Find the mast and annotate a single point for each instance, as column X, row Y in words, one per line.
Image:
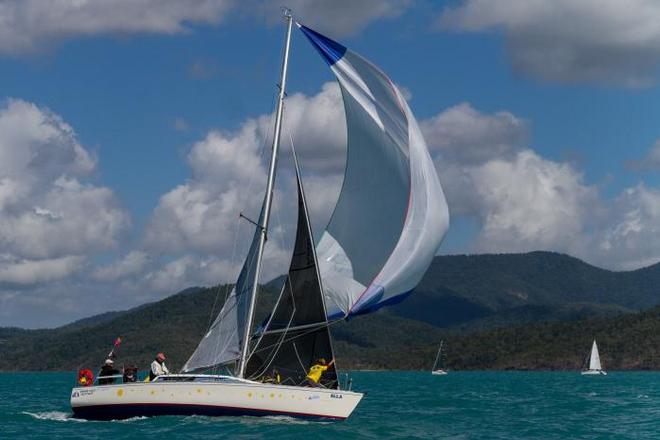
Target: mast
column 268, row 200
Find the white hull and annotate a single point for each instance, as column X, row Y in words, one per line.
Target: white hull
column 594, row 373
column 439, row 372
column 213, row 398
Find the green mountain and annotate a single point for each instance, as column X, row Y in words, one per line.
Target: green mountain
column 537, row 310
column 490, row 290
column 625, row 342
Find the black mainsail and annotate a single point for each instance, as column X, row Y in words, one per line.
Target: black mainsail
column 296, row 334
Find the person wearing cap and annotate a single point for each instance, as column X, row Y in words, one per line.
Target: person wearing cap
column 108, row 369
column 315, row 372
column 158, row 367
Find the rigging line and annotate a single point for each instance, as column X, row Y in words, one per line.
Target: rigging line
column 277, row 209
column 312, row 330
column 296, row 327
column 328, row 324
column 295, row 349
column 282, row 338
column 270, row 318
column 271, row 356
column 280, row 229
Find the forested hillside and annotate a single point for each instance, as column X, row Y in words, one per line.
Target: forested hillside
column 526, row 311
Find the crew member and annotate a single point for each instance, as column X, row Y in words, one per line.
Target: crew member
column 315, row 372
column 158, row 367
column 108, row 369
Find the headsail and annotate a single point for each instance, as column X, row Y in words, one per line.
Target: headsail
column 439, row 361
column 391, row 214
column 222, row 343
column 297, row 332
column 594, row 361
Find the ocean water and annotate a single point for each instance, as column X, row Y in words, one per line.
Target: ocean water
column 461, row 405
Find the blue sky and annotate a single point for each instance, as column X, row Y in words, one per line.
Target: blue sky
column 542, row 121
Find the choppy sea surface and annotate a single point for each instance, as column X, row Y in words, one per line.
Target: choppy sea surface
column 461, row 405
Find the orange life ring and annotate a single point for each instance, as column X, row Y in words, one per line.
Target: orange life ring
column 85, row 377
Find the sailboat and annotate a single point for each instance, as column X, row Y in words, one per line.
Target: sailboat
column 389, row 220
column 438, row 365
column 592, row 364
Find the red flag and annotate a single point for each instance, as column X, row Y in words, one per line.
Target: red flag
column 116, row 345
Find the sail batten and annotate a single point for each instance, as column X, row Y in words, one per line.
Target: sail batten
column 391, row 214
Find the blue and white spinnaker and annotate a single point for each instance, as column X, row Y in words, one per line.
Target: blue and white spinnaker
column 391, row 214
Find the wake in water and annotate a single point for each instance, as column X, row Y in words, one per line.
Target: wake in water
column 57, row 416
column 252, row 420
column 132, row 419
column 292, row 420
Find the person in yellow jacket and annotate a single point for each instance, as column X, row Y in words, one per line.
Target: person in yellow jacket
column 316, row 371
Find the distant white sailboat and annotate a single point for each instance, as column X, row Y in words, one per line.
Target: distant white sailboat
column 594, row 366
column 438, row 365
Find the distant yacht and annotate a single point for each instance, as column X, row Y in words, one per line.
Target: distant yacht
column 593, row 366
column 439, row 363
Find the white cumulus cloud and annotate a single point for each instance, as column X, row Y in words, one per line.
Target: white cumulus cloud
column 47, row 211
column 133, row 263
column 229, row 174
column 523, row 202
column 604, row 41
column 29, row 25
column 463, row 134
column 530, row 203
column 26, row 25
column 651, row 162
column 14, row 271
column 632, row 238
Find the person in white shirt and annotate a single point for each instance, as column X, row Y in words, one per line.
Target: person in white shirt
column 158, row 367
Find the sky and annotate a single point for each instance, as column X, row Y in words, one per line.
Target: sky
column 133, row 133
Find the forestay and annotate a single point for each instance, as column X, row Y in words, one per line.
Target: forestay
column 297, row 333
column 391, row 214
